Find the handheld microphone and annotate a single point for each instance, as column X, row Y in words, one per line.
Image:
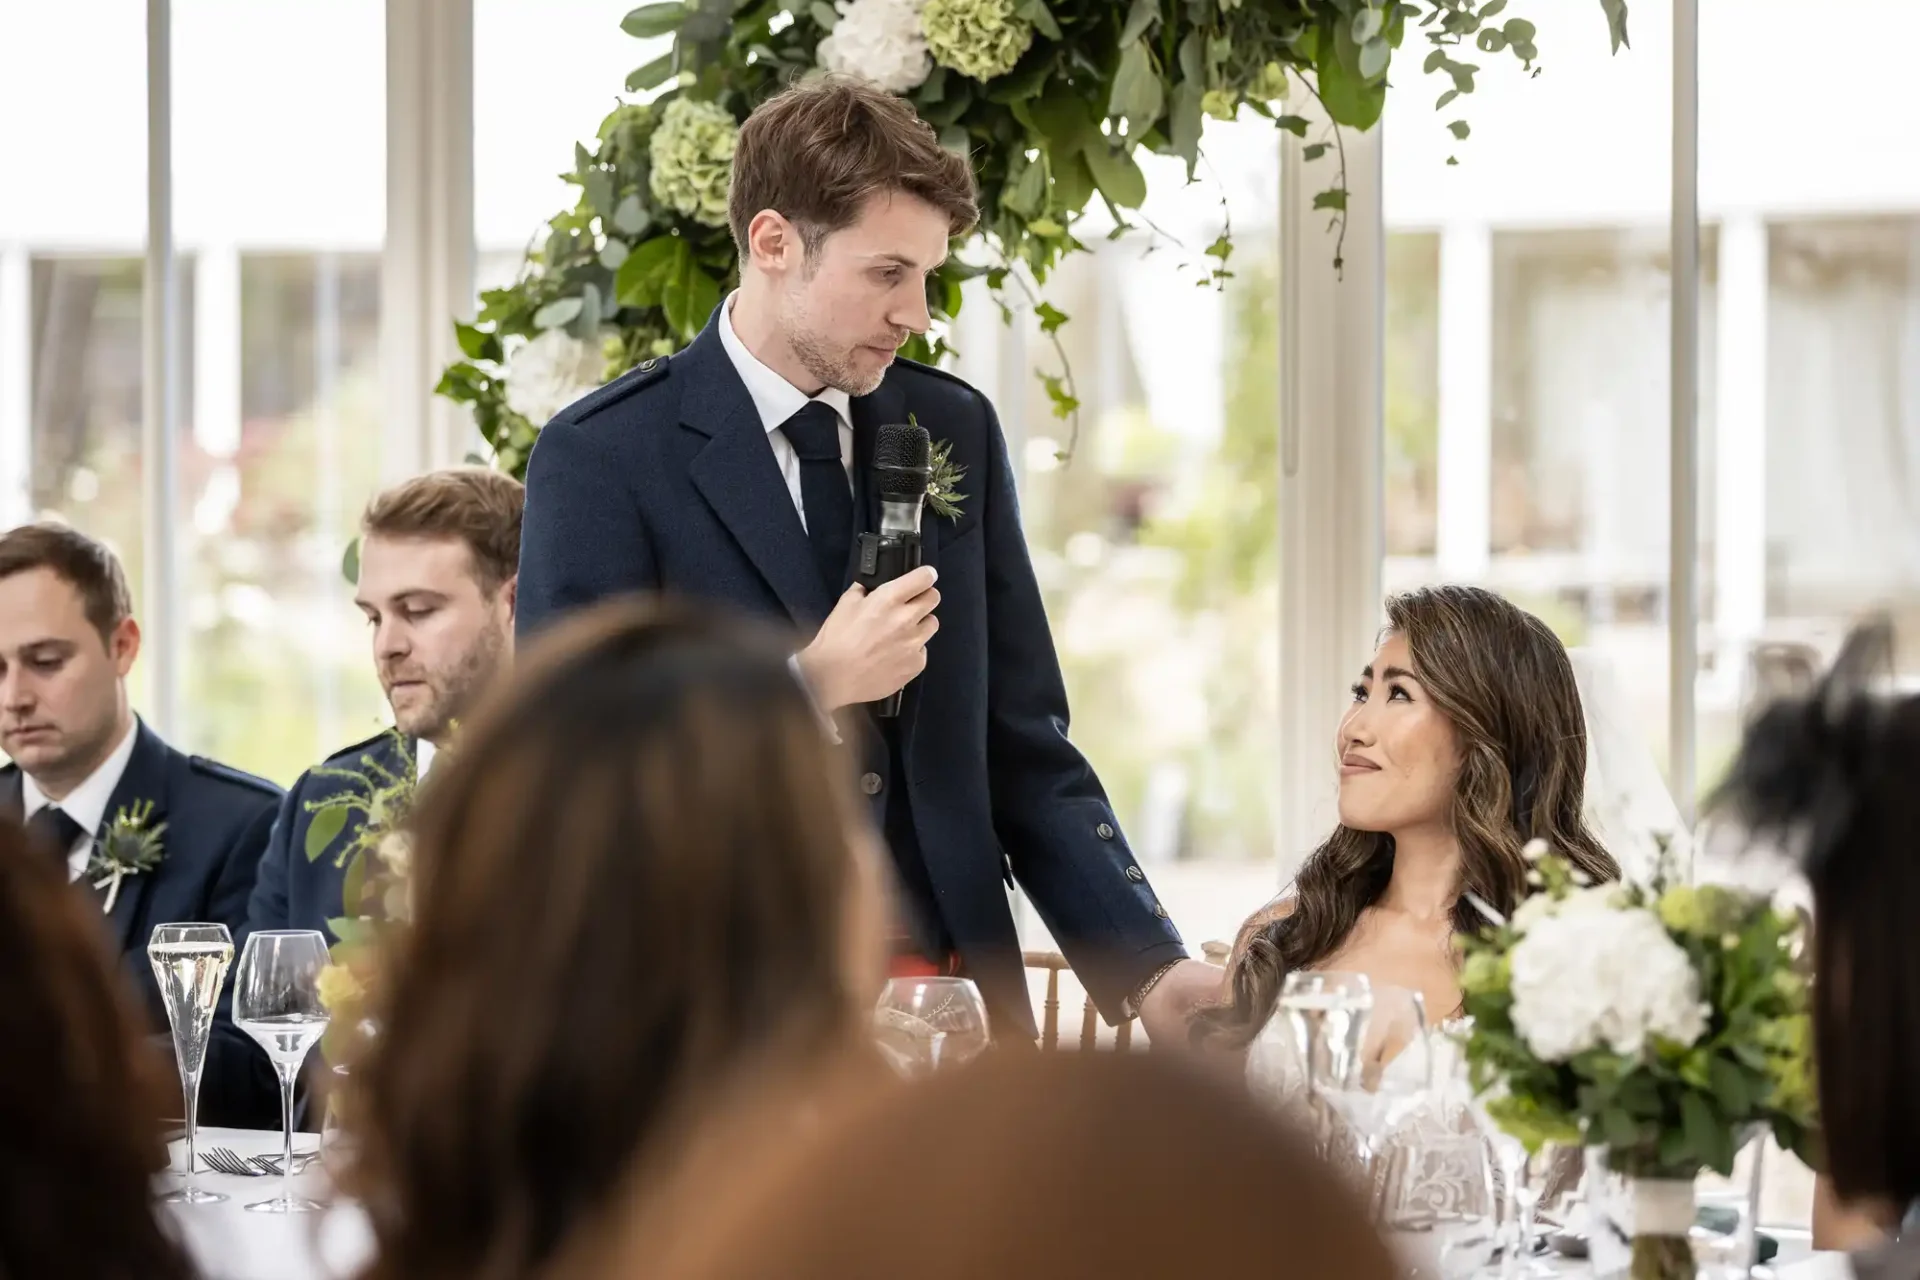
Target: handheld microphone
column 902, row 468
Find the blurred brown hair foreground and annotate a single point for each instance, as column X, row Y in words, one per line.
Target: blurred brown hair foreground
column 1032, row 1167
column 633, row 876
column 81, row 1096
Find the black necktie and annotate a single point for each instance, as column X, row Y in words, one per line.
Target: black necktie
column 55, row 828
column 814, row 433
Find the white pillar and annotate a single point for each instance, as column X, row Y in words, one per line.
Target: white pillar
column 426, row 278
column 1465, row 542
column 1331, row 362
column 16, row 386
column 161, row 370
column 1740, row 448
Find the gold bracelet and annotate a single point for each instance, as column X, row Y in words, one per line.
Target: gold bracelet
column 1140, row 996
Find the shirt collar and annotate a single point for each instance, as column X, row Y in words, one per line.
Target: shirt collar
column 774, row 397
column 87, row 803
column 422, row 759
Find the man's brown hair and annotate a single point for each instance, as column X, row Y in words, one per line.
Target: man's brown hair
column 479, row 506
column 77, row 560
column 814, row 153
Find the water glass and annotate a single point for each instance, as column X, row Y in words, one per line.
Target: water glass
column 923, row 1025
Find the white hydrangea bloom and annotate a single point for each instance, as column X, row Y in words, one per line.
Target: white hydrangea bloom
column 549, row 373
column 881, row 41
column 1589, row 973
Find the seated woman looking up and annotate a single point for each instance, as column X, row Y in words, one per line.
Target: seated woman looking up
column 1464, row 741
column 644, row 900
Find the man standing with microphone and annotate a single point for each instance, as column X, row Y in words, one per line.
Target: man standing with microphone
column 746, row 469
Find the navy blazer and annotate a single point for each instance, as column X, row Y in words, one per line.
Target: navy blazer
column 217, row 820
column 664, row 480
column 296, row 892
column 293, row 891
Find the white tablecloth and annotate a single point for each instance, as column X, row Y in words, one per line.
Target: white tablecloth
column 228, row 1243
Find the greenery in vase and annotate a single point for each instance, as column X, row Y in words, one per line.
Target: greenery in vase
column 1663, row 1022
column 1052, row 100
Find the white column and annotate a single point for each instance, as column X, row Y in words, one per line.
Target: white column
column 1740, row 448
column 1465, row 540
column 16, row 386
column 1331, row 364
column 1683, row 419
column 426, row 278
column 161, row 370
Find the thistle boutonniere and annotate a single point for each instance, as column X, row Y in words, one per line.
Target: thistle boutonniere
column 943, row 484
column 130, row 846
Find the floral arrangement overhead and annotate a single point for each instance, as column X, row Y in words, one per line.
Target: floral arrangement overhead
column 1666, row 1024
column 1051, row 99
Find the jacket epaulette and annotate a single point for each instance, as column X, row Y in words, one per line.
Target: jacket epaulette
column 901, row 362
column 227, row 773
column 349, row 757
column 638, row 378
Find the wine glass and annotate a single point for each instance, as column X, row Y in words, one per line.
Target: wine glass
column 190, row 963
column 276, row 1000
column 923, row 1025
column 1520, row 1200
column 1391, row 1075
column 1326, row 1015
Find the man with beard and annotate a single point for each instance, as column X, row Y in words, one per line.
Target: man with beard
column 739, row 471
column 439, row 559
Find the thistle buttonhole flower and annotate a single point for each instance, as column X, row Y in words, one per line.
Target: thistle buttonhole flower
column 881, row 42
column 692, row 154
column 978, row 38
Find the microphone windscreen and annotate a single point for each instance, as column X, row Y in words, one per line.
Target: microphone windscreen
column 902, row 459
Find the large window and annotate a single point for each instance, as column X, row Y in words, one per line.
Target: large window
column 280, row 216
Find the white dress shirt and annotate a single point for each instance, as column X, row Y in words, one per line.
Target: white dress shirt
column 87, row 803
column 422, row 759
column 778, row 400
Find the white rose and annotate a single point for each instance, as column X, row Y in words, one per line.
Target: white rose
column 1591, row 974
column 549, row 373
column 880, row 41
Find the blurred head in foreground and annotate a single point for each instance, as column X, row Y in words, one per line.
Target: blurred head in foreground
column 81, row 1095
column 641, row 884
column 1036, row 1167
column 1835, row 777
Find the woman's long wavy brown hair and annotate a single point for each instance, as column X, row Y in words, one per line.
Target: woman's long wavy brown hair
column 632, row 882
column 1503, row 681
column 82, row 1092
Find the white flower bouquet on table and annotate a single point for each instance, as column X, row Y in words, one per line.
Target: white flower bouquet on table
column 1663, row 1023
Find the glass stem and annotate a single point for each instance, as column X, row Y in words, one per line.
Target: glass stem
column 287, row 1078
column 190, row 1087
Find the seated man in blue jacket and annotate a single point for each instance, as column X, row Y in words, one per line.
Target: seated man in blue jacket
column 439, row 563
column 153, row 835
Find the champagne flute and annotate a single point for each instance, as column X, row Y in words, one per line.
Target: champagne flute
column 190, row 963
column 925, row 1025
column 276, row 1000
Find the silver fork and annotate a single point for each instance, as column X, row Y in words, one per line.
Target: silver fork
column 225, row 1160
column 271, row 1164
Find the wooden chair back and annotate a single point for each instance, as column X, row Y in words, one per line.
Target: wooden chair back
column 1055, row 964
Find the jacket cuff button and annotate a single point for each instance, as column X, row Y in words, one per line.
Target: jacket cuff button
column 1105, row 831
